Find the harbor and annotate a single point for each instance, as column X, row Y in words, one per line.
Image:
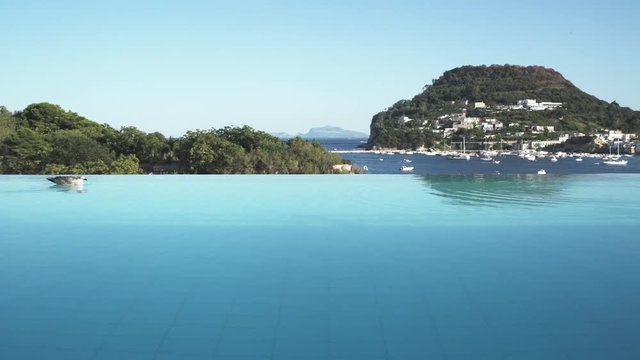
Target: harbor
column 390, row 161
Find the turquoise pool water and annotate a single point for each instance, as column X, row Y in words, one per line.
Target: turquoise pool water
column 321, row 267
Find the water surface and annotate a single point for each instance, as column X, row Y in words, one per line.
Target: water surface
column 321, row 267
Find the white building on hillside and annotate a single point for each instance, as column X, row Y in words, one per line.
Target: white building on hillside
column 403, row 119
column 479, row 105
column 533, row 105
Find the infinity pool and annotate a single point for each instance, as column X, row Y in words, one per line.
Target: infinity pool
column 321, row 267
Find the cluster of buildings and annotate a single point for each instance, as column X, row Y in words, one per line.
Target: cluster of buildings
column 450, row 123
column 529, row 105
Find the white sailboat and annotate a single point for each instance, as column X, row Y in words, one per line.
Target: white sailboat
column 458, row 156
column 615, row 160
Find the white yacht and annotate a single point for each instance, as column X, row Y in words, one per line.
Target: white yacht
column 542, row 172
column 405, row 168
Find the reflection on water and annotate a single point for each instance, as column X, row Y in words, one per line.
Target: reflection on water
column 498, row 190
column 69, row 188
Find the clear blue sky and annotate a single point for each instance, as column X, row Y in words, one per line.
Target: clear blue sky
column 173, row 66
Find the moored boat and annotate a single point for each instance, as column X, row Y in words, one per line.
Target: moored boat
column 615, row 162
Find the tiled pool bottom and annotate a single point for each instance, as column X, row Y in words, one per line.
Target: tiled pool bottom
column 145, row 289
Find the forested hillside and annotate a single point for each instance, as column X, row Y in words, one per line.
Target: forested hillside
column 497, row 85
column 46, row 139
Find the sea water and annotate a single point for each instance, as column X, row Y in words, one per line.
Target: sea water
column 321, row 267
column 390, row 163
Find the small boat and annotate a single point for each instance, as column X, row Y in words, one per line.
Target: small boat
column 381, row 159
column 407, row 160
column 614, row 159
column 458, row 157
column 579, row 159
column 542, row 172
column 406, row 168
column 486, row 158
column 496, row 162
column 68, row 180
column 615, row 162
column 554, row 159
column 530, row 157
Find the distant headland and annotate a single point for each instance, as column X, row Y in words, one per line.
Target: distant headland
column 520, row 107
column 325, row 132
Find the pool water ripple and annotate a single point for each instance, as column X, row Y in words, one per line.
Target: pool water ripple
column 321, row 267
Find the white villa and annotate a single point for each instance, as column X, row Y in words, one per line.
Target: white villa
column 403, row 119
column 533, row 105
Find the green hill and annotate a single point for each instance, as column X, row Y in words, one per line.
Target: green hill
column 497, row 86
column 46, row 139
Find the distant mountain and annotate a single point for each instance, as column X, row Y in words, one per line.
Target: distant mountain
column 282, row 135
column 410, row 123
column 333, row 132
column 324, row 132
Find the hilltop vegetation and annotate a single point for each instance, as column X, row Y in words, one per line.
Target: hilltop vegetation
column 497, row 85
column 45, row 139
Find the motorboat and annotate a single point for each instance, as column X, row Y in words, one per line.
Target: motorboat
column 542, row 172
column 458, row 156
column 405, row 168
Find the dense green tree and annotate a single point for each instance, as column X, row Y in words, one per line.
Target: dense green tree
column 46, row 118
column 26, row 152
column 213, row 154
column 155, row 148
column 130, row 140
column 125, row 164
column 44, row 138
column 70, row 147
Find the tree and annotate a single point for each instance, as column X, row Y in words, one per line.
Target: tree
column 212, row 154
column 125, row 164
column 71, row 147
column 27, row 150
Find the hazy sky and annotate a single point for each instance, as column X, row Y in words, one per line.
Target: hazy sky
column 173, row 66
